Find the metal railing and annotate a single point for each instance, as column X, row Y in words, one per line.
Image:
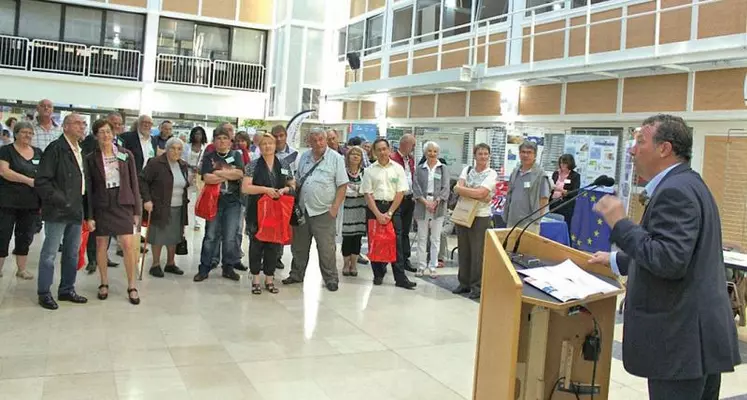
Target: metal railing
column 533, row 22
column 114, row 63
column 14, row 52
column 196, row 71
column 60, row 57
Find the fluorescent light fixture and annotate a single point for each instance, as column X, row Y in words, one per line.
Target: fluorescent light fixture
column 450, row 3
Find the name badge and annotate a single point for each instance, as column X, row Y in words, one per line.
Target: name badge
column 527, row 185
column 284, row 171
column 229, row 160
column 394, row 180
column 436, row 176
column 567, row 181
column 122, row 156
column 35, row 162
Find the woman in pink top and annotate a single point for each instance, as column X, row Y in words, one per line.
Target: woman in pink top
column 566, row 180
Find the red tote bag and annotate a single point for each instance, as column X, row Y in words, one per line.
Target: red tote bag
column 273, row 219
column 382, row 242
column 207, row 203
column 84, row 238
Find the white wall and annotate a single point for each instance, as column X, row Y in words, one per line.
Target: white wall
column 228, row 103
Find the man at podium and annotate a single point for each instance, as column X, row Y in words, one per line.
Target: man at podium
column 679, row 331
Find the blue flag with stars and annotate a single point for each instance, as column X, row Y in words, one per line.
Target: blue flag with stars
column 589, row 232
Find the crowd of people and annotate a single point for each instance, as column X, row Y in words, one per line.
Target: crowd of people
column 112, row 181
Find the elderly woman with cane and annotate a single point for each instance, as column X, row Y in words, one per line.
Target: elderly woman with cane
column 114, row 205
column 164, row 183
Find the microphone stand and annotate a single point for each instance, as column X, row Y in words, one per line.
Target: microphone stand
column 557, row 206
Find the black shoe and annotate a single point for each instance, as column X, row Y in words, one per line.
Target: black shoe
column 133, row 300
column 240, row 267
column 200, row 277
column 120, row 253
column 280, row 265
column 291, row 280
column 48, row 302
column 378, row 281
column 213, row 265
column 474, row 294
column 410, row 268
column 91, row 268
column 112, row 264
column 406, row 284
column 332, row 286
column 232, row 275
column 72, row 297
column 461, row 290
column 156, row 271
column 362, row 261
column 173, row 269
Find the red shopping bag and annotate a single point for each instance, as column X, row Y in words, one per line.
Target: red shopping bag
column 382, row 242
column 207, row 202
column 273, row 219
column 84, row 237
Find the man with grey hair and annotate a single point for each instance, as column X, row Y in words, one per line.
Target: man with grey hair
column 528, row 188
column 60, row 182
column 140, row 143
column 45, row 129
column 321, row 184
column 404, row 157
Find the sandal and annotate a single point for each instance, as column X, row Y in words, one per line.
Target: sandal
column 256, row 288
column 353, row 271
column 133, row 300
column 103, row 295
column 271, row 288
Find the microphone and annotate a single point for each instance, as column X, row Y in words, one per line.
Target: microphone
column 602, row 180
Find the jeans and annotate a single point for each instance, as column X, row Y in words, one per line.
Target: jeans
column 69, row 234
column 221, row 232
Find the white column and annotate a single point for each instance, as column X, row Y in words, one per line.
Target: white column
column 515, row 21
column 150, row 51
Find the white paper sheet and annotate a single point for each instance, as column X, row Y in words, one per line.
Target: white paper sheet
column 566, row 281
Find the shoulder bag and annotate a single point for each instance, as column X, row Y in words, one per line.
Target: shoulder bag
column 297, row 217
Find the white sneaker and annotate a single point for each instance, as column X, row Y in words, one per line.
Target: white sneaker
column 419, row 272
column 432, row 273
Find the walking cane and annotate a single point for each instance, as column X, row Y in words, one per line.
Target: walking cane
column 145, row 245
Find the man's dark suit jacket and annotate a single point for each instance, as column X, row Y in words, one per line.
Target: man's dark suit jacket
column 131, row 142
column 678, row 320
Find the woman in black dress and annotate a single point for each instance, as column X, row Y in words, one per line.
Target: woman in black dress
column 19, row 203
column 565, row 180
column 114, row 204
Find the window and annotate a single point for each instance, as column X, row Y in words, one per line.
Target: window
column 176, row 37
column 124, row 30
column 271, row 103
column 7, row 17
column 355, row 37
column 342, row 40
column 314, row 69
column 309, row 10
column 310, row 101
column 457, row 13
column 248, row 45
column 428, row 20
column 583, row 3
column 83, row 25
column 374, row 34
column 40, row 20
column 402, row 29
column 487, row 9
column 211, row 42
column 552, row 5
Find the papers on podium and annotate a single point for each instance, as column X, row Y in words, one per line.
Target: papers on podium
column 566, row 281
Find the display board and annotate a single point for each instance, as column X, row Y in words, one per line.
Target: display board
column 594, row 155
column 451, row 144
column 368, row 132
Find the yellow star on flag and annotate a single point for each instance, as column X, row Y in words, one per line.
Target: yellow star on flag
column 573, row 238
column 593, row 198
column 599, row 221
column 579, row 243
column 596, row 233
column 586, row 194
column 588, row 241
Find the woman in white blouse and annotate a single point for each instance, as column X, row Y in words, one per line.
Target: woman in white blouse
column 475, row 183
column 431, row 193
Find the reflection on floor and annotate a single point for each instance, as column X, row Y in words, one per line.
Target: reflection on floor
column 215, row 340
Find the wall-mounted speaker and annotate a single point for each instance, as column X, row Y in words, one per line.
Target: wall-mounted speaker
column 354, row 60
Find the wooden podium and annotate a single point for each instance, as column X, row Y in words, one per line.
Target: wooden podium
column 526, row 339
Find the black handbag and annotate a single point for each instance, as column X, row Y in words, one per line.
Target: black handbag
column 297, row 217
column 182, row 248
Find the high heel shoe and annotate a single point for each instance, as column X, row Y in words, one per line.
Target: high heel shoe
column 103, row 296
column 133, row 300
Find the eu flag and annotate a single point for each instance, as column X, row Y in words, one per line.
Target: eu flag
column 589, row 232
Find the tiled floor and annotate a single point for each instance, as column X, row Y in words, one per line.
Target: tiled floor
column 214, row 340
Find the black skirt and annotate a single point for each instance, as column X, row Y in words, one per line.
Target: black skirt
column 115, row 220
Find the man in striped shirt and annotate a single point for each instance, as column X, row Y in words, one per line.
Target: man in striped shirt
column 45, row 129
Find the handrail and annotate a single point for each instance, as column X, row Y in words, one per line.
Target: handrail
column 479, row 37
column 13, row 52
column 239, row 75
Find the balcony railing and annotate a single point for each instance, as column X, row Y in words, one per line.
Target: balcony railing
column 69, row 58
column 563, row 33
column 203, row 72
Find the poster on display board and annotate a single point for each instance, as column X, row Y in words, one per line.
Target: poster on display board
column 594, row 155
column 451, row 145
column 368, row 132
column 513, row 142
